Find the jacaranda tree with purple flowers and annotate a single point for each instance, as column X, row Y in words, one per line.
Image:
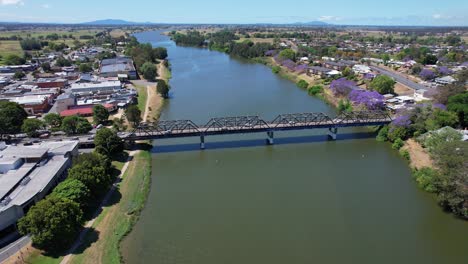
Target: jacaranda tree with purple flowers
column 371, row 100
column 342, row 86
column 427, row 74
column 444, row 71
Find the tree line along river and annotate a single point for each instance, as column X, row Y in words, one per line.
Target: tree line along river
column 303, row 200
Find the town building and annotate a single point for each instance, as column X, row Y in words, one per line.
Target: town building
column 96, row 88
column 64, row 102
column 445, row 80
column 120, row 65
column 85, row 110
column 27, row 175
column 51, row 83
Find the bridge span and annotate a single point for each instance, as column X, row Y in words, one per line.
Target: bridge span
column 254, row 124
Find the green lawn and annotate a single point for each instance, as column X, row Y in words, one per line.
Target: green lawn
column 142, row 97
column 8, row 47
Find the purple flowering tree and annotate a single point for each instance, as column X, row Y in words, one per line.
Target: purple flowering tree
column 302, row 68
column 444, row 71
column 402, row 121
column 270, row 53
column 342, row 86
column 427, row 74
column 371, row 100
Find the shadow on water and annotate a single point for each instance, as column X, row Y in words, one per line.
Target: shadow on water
column 258, row 142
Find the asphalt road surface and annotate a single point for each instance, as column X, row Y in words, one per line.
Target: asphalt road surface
column 399, row 78
column 13, row 248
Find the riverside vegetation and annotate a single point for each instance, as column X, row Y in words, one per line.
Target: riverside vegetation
column 448, row 178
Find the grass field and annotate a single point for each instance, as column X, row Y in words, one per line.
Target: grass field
column 142, row 97
column 8, row 47
column 257, row 40
column 45, row 32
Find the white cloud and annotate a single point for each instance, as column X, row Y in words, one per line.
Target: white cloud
column 11, row 2
column 46, row 6
column 437, row 16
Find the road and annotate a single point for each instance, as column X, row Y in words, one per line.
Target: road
column 13, row 248
column 399, row 78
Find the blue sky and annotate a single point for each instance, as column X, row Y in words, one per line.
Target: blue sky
column 363, row 12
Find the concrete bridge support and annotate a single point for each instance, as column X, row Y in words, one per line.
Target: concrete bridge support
column 202, row 142
column 332, row 133
column 270, row 139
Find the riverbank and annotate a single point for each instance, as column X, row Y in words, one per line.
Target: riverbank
column 116, row 221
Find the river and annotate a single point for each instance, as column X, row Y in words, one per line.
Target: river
column 303, row 200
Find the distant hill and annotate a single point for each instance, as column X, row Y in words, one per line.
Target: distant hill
column 313, row 23
column 115, row 22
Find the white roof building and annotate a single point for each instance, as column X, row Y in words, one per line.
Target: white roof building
column 28, row 174
column 87, row 88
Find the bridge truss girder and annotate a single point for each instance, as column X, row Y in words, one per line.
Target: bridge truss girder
column 301, row 119
column 235, row 123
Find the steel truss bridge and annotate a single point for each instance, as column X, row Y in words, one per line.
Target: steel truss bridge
column 254, row 124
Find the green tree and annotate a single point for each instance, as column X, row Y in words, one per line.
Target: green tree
column 94, row 159
column 19, row 75
column 459, row 104
column 162, row 88
column 302, row 84
column 46, row 67
column 52, row 223
column 53, row 120
column 32, row 126
column 12, row 116
column 13, row 59
column 107, row 142
column 100, row 114
column 75, row 125
column 62, row 62
column 287, row 54
column 73, row 190
column 86, row 67
column 160, row 53
column 383, row 84
column 348, row 72
column 426, row 177
column 452, row 181
column 276, row 69
column 96, row 178
column 149, row 71
column 133, row 115
column 118, row 124
column 316, row 89
column 441, row 118
column 429, row 59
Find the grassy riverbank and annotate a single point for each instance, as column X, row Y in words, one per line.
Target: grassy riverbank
column 116, row 221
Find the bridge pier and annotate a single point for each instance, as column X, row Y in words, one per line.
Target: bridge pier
column 202, row 142
column 270, row 140
column 332, row 133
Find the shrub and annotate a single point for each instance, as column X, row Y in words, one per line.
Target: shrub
column 398, row 144
column 383, row 134
column 302, row 84
column 426, row 177
column 276, row 69
column 405, row 154
column 316, row 89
